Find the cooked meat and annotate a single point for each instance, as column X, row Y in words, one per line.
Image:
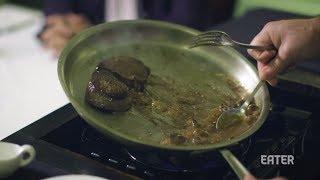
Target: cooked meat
column 108, row 88
column 107, row 84
column 128, row 70
column 102, row 101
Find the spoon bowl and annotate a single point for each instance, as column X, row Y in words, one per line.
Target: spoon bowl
column 235, row 115
column 230, row 117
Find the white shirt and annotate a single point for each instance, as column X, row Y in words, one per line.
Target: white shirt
column 121, row 10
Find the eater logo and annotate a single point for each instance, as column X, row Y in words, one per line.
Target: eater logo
column 277, row 159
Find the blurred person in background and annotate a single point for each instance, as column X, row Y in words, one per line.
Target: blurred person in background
column 65, row 18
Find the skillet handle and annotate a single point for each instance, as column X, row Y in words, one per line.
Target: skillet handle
column 235, row 164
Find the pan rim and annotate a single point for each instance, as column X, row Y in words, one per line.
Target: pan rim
column 132, row 141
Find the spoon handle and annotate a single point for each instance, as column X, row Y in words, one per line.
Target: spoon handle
column 235, row 164
column 250, row 97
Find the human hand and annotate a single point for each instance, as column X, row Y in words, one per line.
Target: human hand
column 295, row 40
column 61, row 28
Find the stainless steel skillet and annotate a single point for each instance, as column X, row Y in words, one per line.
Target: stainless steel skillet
column 164, row 48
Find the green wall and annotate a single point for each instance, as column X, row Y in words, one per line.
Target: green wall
column 303, row 7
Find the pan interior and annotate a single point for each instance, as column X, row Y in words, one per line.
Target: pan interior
column 164, row 50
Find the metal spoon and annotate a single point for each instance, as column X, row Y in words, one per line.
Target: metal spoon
column 219, row 38
column 234, row 115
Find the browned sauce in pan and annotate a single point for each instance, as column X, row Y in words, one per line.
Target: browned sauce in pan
column 188, row 114
column 183, row 112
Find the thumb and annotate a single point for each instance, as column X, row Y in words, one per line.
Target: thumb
column 261, row 66
column 262, row 56
column 273, row 68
